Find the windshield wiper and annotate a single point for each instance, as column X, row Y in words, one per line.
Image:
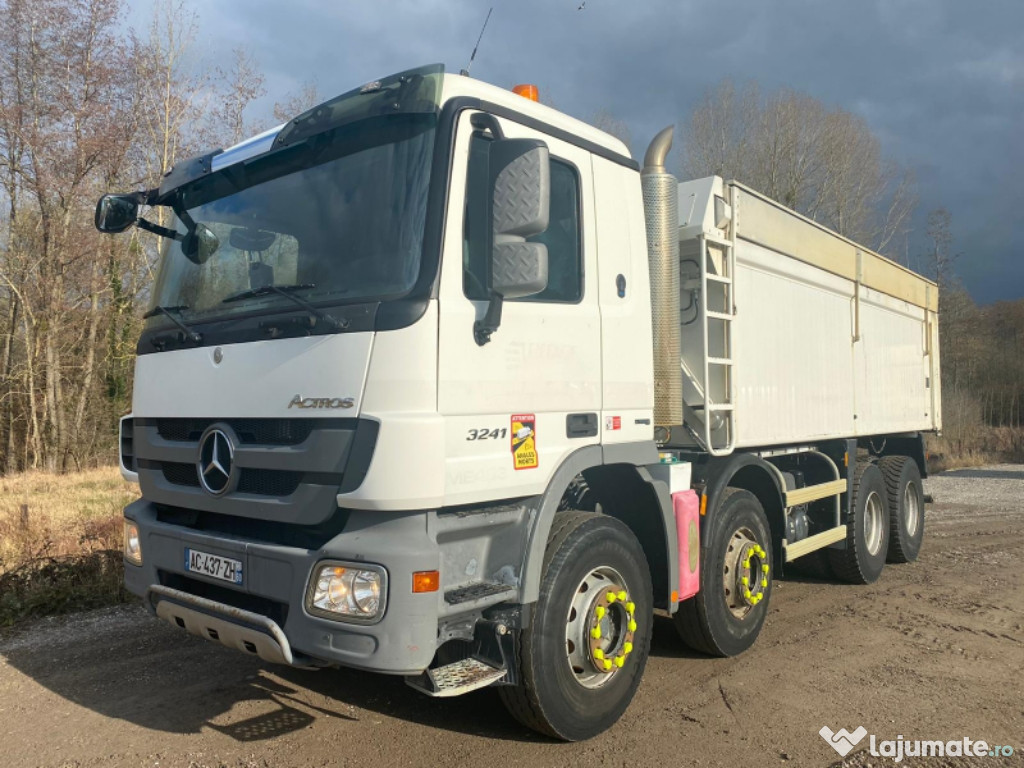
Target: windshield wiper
column 170, row 312
column 286, row 291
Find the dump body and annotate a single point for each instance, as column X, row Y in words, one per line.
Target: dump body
column 822, row 338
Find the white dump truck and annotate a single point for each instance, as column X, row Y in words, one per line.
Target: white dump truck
column 439, row 382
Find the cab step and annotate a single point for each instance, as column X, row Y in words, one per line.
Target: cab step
column 456, row 679
column 479, row 591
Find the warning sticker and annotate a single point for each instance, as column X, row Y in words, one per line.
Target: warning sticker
column 524, row 441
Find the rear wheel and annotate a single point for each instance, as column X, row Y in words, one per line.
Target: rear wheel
column 725, row 617
column 906, row 508
column 867, row 529
column 583, row 655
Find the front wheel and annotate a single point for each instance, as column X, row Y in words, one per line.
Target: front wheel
column 583, row 655
column 725, row 617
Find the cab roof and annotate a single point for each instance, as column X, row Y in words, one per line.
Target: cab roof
column 451, row 87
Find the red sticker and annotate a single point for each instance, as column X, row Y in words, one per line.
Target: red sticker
column 613, row 422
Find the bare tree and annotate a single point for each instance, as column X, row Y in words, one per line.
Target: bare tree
column 170, row 92
column 941, row 255
column 824, row 163
column 293, row 105
column 66, row 117
column 605, row 120
column 236, row 88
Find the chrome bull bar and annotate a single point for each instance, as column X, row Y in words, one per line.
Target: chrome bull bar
column 233, row 627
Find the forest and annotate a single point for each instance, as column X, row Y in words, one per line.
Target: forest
column 89, row 105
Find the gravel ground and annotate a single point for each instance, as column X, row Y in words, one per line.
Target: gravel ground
column 1001, row 490
column 933, row 650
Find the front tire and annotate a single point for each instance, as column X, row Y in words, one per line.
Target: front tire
column 725, row 617
column 906, row 508
column 867, row 529
column 576, row 682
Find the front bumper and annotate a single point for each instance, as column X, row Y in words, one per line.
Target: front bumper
column 234, row 627
column 274, row 588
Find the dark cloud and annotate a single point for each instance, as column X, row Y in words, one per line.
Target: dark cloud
column 940, row 82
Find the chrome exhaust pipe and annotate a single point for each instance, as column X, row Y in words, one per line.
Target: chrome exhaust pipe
column 661, row 211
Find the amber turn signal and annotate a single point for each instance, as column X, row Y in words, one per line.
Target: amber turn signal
column 426, row 581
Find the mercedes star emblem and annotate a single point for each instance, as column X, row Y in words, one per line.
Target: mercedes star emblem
column 216, row 460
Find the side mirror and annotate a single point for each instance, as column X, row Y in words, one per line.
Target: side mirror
column 200, row 244
column 116, row 213
column 520, row 208
column 520, row 183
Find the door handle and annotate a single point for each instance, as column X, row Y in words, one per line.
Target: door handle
column 581, row 425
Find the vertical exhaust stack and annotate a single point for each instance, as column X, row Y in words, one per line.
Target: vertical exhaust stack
column 661, row 210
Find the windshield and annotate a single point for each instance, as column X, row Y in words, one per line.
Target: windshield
column 336, row 218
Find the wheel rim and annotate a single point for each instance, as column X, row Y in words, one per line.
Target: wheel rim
column 911, row 510
column 599, row 627
column 874, row 520
column 745, row 573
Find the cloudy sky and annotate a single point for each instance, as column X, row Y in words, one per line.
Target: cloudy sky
column 941, row 83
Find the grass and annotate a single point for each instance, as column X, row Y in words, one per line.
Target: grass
column 60, row 542
column 960, row 449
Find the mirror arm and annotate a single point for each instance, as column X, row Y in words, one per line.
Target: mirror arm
column 482, row 329
column 156, row 229
column 184, row 216
column 482, row 121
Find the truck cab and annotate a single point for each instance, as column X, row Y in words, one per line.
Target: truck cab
column 331, row 402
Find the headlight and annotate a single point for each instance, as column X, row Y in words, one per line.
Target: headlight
column 349, row 591
column 132, row 544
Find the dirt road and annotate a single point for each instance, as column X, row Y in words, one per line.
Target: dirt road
column 934, row 650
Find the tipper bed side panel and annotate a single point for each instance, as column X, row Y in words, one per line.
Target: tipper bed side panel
column 829, row 339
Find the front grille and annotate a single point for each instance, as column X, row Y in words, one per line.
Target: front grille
column 250, row 431
column 272, row 482
column 259, row 482
column 127, row 449
column 302, row 464
column 180, row 474
column 277, row 532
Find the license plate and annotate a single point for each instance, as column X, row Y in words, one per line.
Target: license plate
column 215, row 566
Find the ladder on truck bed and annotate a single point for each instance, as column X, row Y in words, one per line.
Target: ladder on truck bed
column 709, row 401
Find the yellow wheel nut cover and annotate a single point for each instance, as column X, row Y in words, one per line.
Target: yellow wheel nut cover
column 630, row 607
column 607, row 664
column 746, row 593
column 599, row 611
column 598, row 654
column 764, row 568
column 627, row 647
column 620, row 660
column 622, row 595
column 632, row 626
column 764, row 582
column 611, row 597
column 745, row 581
column 596, row 633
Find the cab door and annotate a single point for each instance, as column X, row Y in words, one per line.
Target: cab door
column 516, row 406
